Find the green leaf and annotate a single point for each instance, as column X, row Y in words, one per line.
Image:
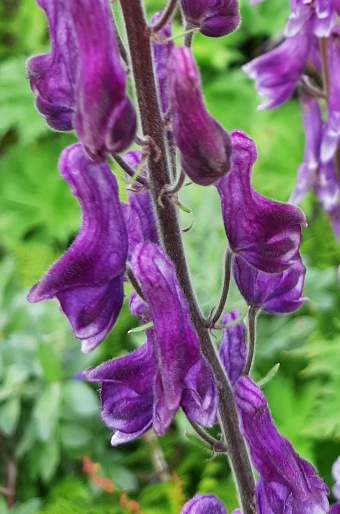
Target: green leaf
column 9, row 415
column 74, row 436
column 32, row 506
column 49, row 459
column 79, row 399
column 3, row 506
column 47, row 411
column 49, row 362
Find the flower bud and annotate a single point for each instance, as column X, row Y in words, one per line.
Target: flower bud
column 214, row 18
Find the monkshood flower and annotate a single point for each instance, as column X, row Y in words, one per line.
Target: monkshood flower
column 53, row 76
column 317, row 16
column 287, row 483
column 145, row 388
column 327, row 191
column 88, row 279
column 233, row 349
column 276, row 73
column 331, row 132
column 204, row 504
column 204, row 146
column 312, row 124
column 161, row 52
column 336, row 476
column 105, row 119
column 214, row 18
column 265, row 233
column 274, row 293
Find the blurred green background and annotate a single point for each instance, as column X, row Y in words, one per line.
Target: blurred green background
column 55, row 455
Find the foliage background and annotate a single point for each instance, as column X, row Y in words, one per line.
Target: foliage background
column 49, row 417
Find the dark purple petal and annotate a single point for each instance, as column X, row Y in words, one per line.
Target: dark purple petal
column 88, row 279
column 204, row 504
column 265, row 233
column 233, row 349
column 214, row 18
column 287, row 482
column 53, row 76
column 204, row 145
column 127, row 390
column 273, row 293
column 276, row 73
column 105, row 119
column 161, row 52
column 335, row 509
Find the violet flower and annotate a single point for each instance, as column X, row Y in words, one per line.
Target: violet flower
column 53, row 76
column 274, row 293
column 331, row 132
column 204, row 145
column 276, row 73
column 204, row 504
column 161, row 53
column 265, row 233
column 146, row 387
column 336, row 476
column 214, row 18
column 316, row 16
column 287, row 483
column 233, row 348
column 105, row 119
column 327, row 191
column 312, row 124
column 88, row 279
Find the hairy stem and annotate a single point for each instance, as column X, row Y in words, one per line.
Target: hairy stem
column 171, row 239
column 167, row 14
column 251, row 339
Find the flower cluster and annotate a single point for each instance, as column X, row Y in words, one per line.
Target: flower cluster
column 81, row 85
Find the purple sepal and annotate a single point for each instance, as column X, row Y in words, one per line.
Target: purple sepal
column 276, row 73
column 315, row 16
column 205, row 147
column 312, row 124
column 287, row 483
column 331, row 131
column 233, row 349
column 105, row 119
column 335, row 509
column 88, row 279
column 274, row 293
column 327, row 191
column 336, row 5
column 161, row 53
column 215, row 18
column 204, row 504
column 265, row 233
column 52, row 76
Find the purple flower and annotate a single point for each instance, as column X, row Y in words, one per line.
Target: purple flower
column 53, row 76
column 276, row 73
column 204, row 504
column 273, row 293
column 214, row 18
column 161, row 52
column 105, row 119
column 336, row 476
column 265, row 233
column 331, row 131
column 204, row 146
column 233, row 349
column 312, row 124
column 167, row 372
column 88, row 279
column 327, row 191
column 315, row 16
column 287, row 483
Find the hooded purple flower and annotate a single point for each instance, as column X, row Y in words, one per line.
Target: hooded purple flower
column 233, row 349
column 105, row 119
column 161, row 56
column 204, row 504
column 88, row 279
column 331, row 132
column 167, row 372
column 53, row 76
column 204, row 145
column 214, row 18
column 276, row 73
column 273, row 293
column 312, row 124
column 315, row 16
column 287, row 483
column 265, row 233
